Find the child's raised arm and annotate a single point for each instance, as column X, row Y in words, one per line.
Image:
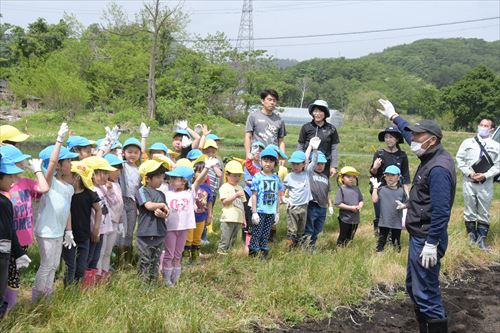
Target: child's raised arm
column 35, row 165
column 209, row 163
column 54, row 157
column 144, row 137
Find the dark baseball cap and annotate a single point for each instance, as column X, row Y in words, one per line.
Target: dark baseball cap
column 426, row 126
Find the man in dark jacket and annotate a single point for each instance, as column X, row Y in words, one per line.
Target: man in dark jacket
column 429, row 210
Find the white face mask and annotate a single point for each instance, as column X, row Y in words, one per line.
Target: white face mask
column 483, row 132
column 416, row 147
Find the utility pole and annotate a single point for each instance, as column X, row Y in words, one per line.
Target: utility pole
column 245, row 33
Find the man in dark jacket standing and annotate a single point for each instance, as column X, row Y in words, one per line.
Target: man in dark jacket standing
column 429, row 210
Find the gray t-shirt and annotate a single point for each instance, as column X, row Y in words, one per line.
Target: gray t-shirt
column 264, row 128
column 390, row 217
column 320, row 187
column 149, row 224
column 130, row 180
column 351, row 196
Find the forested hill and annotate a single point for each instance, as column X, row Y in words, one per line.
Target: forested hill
column 442, row 61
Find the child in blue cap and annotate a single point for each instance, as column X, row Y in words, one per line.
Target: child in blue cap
column 392, row 198
column 53, row 223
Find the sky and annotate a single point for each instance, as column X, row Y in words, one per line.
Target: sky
column 350, row 20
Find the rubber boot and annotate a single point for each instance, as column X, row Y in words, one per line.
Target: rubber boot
column 89, row 278
column 482, row 231
column 176, row 274
column 167, row 276
column 421, row 320
column 252, row 253
column 470, row 226
column 10, row 296
column 437, row 325
column 36, row 295
column 272, row 235
column 195, row 254
column 186, row 254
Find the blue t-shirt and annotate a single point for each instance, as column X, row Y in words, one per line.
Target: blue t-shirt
column 202, row 200
column 267, row 188
column 246, row 177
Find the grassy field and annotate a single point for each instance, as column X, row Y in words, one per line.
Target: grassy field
column 235, row 293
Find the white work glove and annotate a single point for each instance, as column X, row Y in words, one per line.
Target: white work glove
column 276, row 219
column 254, row 149
column 121, row 230
column 315, row 142
column 63, row 131
column 35, row 165
column 69, row 240
column 429, row 255
column 255, row 219
column 23, row 261
column 144, row 130
column 198, row 128
column 330, row 211
column 400, row 205
column 181, row 124
column 211, row 162
column 186, row 141
column 388, row 110
column 110, row 138
column 376, row 184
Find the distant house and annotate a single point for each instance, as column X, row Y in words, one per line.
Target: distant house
column 32, row 103
column 300, row 116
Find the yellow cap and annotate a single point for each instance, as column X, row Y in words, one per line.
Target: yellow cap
column 172, row 153
column 210, row 143
column 349, row 170
column 148, row 167
column 10, row 133
column 98, row 163
column 164, row 160
column 234, row 167
column 200, row 158
column 184, row 162
column 84, row 172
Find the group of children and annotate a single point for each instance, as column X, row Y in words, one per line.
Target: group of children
column 92, row 195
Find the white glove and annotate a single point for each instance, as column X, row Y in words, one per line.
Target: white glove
column 186, row 141
column 144, row 130
column 388, row 110
column 255, row 219
column 68, row 241
column 376, row 184
column 61, row 134
column 110, row 138
column 23, row 261
column 35, row 165
column 198, row 128
column 276, row 219
column 429, row 255
column 121, row 230
column 181, row 124
column 211, row 162
column 400, row 205
column 254, row 149
column 330, row 210
column 314, row 142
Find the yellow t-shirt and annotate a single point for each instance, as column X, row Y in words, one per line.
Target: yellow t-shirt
column 282, row 173
column 234, row 212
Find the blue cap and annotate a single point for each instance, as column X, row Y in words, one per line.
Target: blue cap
column 268, row 152
column 181, row 171
column 321, row 157
column 8, row 167
column 64, row 154
column 393, row 170
column 113, row 159
column 280, row 152
column 132, row 141
column 298, row 157
column 78, row 141
column 159, row 146
column 115, row 145
column 13, row 154
column 194, row 154
column 181, row 132
column 213, row 137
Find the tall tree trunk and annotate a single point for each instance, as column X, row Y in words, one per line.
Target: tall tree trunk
column 152, row 79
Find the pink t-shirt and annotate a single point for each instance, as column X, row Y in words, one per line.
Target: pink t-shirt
column 181, row 205
column 22, row 194
column 108, row 197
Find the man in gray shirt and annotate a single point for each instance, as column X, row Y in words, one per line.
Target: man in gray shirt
column 265, row 125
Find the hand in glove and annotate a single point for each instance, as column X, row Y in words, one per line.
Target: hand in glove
column 198, row 128
column 181, row 124
column 254, row 149
column 429, row 255
column 376, row 184
column 63, row 131
column 255, row 219
column 315, row 142
column 23, row 261
column 69, row 240
column 211, row 162
column 186, row 141
column 400, row 205
column 110, row 138
column 35, row 165
column 121, row 230
column 276, row 219
column 330, row 210
column 144, row 130
column 388, row 110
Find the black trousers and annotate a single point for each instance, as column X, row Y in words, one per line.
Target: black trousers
column 395, row 238
column 347, row 232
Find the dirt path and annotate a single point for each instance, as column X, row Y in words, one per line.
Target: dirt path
column 472, row 304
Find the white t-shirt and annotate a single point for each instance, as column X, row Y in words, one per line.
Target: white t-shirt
column 54, row 210
column 181, row 206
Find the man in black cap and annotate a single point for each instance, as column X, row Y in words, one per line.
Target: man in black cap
column 429, row 210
